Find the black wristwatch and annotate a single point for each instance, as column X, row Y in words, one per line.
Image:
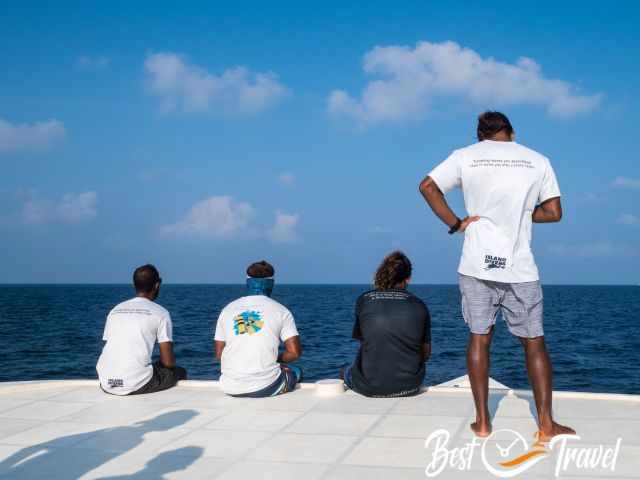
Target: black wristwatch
column 455, row 227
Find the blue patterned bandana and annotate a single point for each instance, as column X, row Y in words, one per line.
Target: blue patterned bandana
column 260, row 286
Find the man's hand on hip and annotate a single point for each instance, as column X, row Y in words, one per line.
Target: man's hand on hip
column 466, row 221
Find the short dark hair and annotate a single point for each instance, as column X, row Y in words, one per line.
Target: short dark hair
column 394, row 269
column 145, row 278
column 260, row 269
column 490, row 123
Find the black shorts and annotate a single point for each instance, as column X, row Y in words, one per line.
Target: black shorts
column 162, row 379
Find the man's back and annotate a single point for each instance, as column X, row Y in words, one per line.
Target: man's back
column 131, row 330
column 502, row 183
column 393, row 325
column 252, row 328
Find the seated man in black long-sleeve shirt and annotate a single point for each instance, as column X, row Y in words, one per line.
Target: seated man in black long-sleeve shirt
column 394, row 330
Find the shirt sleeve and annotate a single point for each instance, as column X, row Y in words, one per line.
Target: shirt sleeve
column 549, row 188
column 219, row 334
column 165, row 329
column 105, row 335
column 288, row 327
column 357, row 333
column 447, row 175
column 427, row 326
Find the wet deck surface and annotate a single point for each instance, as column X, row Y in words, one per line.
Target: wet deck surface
column 71, row 430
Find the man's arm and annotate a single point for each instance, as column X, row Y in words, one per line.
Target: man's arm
column 167, row 358
column 435, row 198
column 357, row 332
column 426, row 351
column 292, row 350
column 426, row 345
column 219, row 346
column 548, row 211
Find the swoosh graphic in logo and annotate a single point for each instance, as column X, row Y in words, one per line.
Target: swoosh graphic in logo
column 522, row 458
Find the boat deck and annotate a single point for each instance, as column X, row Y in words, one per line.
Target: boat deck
column 72, row 430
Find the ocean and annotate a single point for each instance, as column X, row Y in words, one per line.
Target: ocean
column 592, row 332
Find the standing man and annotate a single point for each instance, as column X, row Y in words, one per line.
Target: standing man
column 132, row 329
column 506, row 187
column 247, row 338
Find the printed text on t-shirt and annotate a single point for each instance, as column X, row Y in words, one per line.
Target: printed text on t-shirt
column 501, row 163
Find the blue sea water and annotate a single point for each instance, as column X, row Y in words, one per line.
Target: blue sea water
column 593, row 332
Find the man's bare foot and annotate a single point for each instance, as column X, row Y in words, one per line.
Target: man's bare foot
column 547, row 433
column 481, row 429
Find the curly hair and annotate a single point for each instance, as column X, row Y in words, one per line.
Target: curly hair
column 394, row 269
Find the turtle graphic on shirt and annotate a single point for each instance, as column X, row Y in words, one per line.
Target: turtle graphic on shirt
column 249, row 321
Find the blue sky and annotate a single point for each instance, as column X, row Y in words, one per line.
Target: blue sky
column 201, row 137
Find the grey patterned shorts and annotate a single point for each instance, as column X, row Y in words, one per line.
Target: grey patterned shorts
column 519, row 303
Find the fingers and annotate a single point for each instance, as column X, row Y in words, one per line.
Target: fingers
column 467, row 221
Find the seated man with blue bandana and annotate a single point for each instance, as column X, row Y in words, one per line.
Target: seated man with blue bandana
column 247, row 341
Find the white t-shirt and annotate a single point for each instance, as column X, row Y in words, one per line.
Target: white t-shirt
column 252, row 328
column 131, row 332
column 502, row 182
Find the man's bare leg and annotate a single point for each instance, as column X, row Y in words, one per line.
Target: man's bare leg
column 478, row 368
column 540, row 377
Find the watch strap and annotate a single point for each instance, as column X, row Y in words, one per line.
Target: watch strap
column 456, row 226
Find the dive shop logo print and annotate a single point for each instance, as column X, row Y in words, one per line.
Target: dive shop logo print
column 511, row 457
column 492, row 261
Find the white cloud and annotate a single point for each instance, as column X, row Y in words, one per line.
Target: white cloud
column 95, row 63
column 183, row 86
column 628, row 219
column 36, row 136
column 218, row 216
column 286, row 178
column 379, row 230
column 71, row 208
column 284, row 230
column 152, row 174
column 626, row 182
column 223, row 217
column 590, row 197
column 595, row 249
column 412, row 77
column 77, row 207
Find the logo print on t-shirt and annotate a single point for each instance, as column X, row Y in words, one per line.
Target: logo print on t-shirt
column 492, row 261
column 249, row 321
column 115, row 382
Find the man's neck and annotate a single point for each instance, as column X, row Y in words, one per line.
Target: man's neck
column 146, row 296
column 501, row 137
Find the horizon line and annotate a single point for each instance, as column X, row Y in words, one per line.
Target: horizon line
column 11, row 284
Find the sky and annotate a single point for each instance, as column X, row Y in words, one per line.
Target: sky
column 203, row 136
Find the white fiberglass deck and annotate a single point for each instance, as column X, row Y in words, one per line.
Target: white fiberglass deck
column 70, row 429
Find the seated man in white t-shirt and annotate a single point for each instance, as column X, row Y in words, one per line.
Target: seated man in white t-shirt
column 131, row 331
column 248, row 336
